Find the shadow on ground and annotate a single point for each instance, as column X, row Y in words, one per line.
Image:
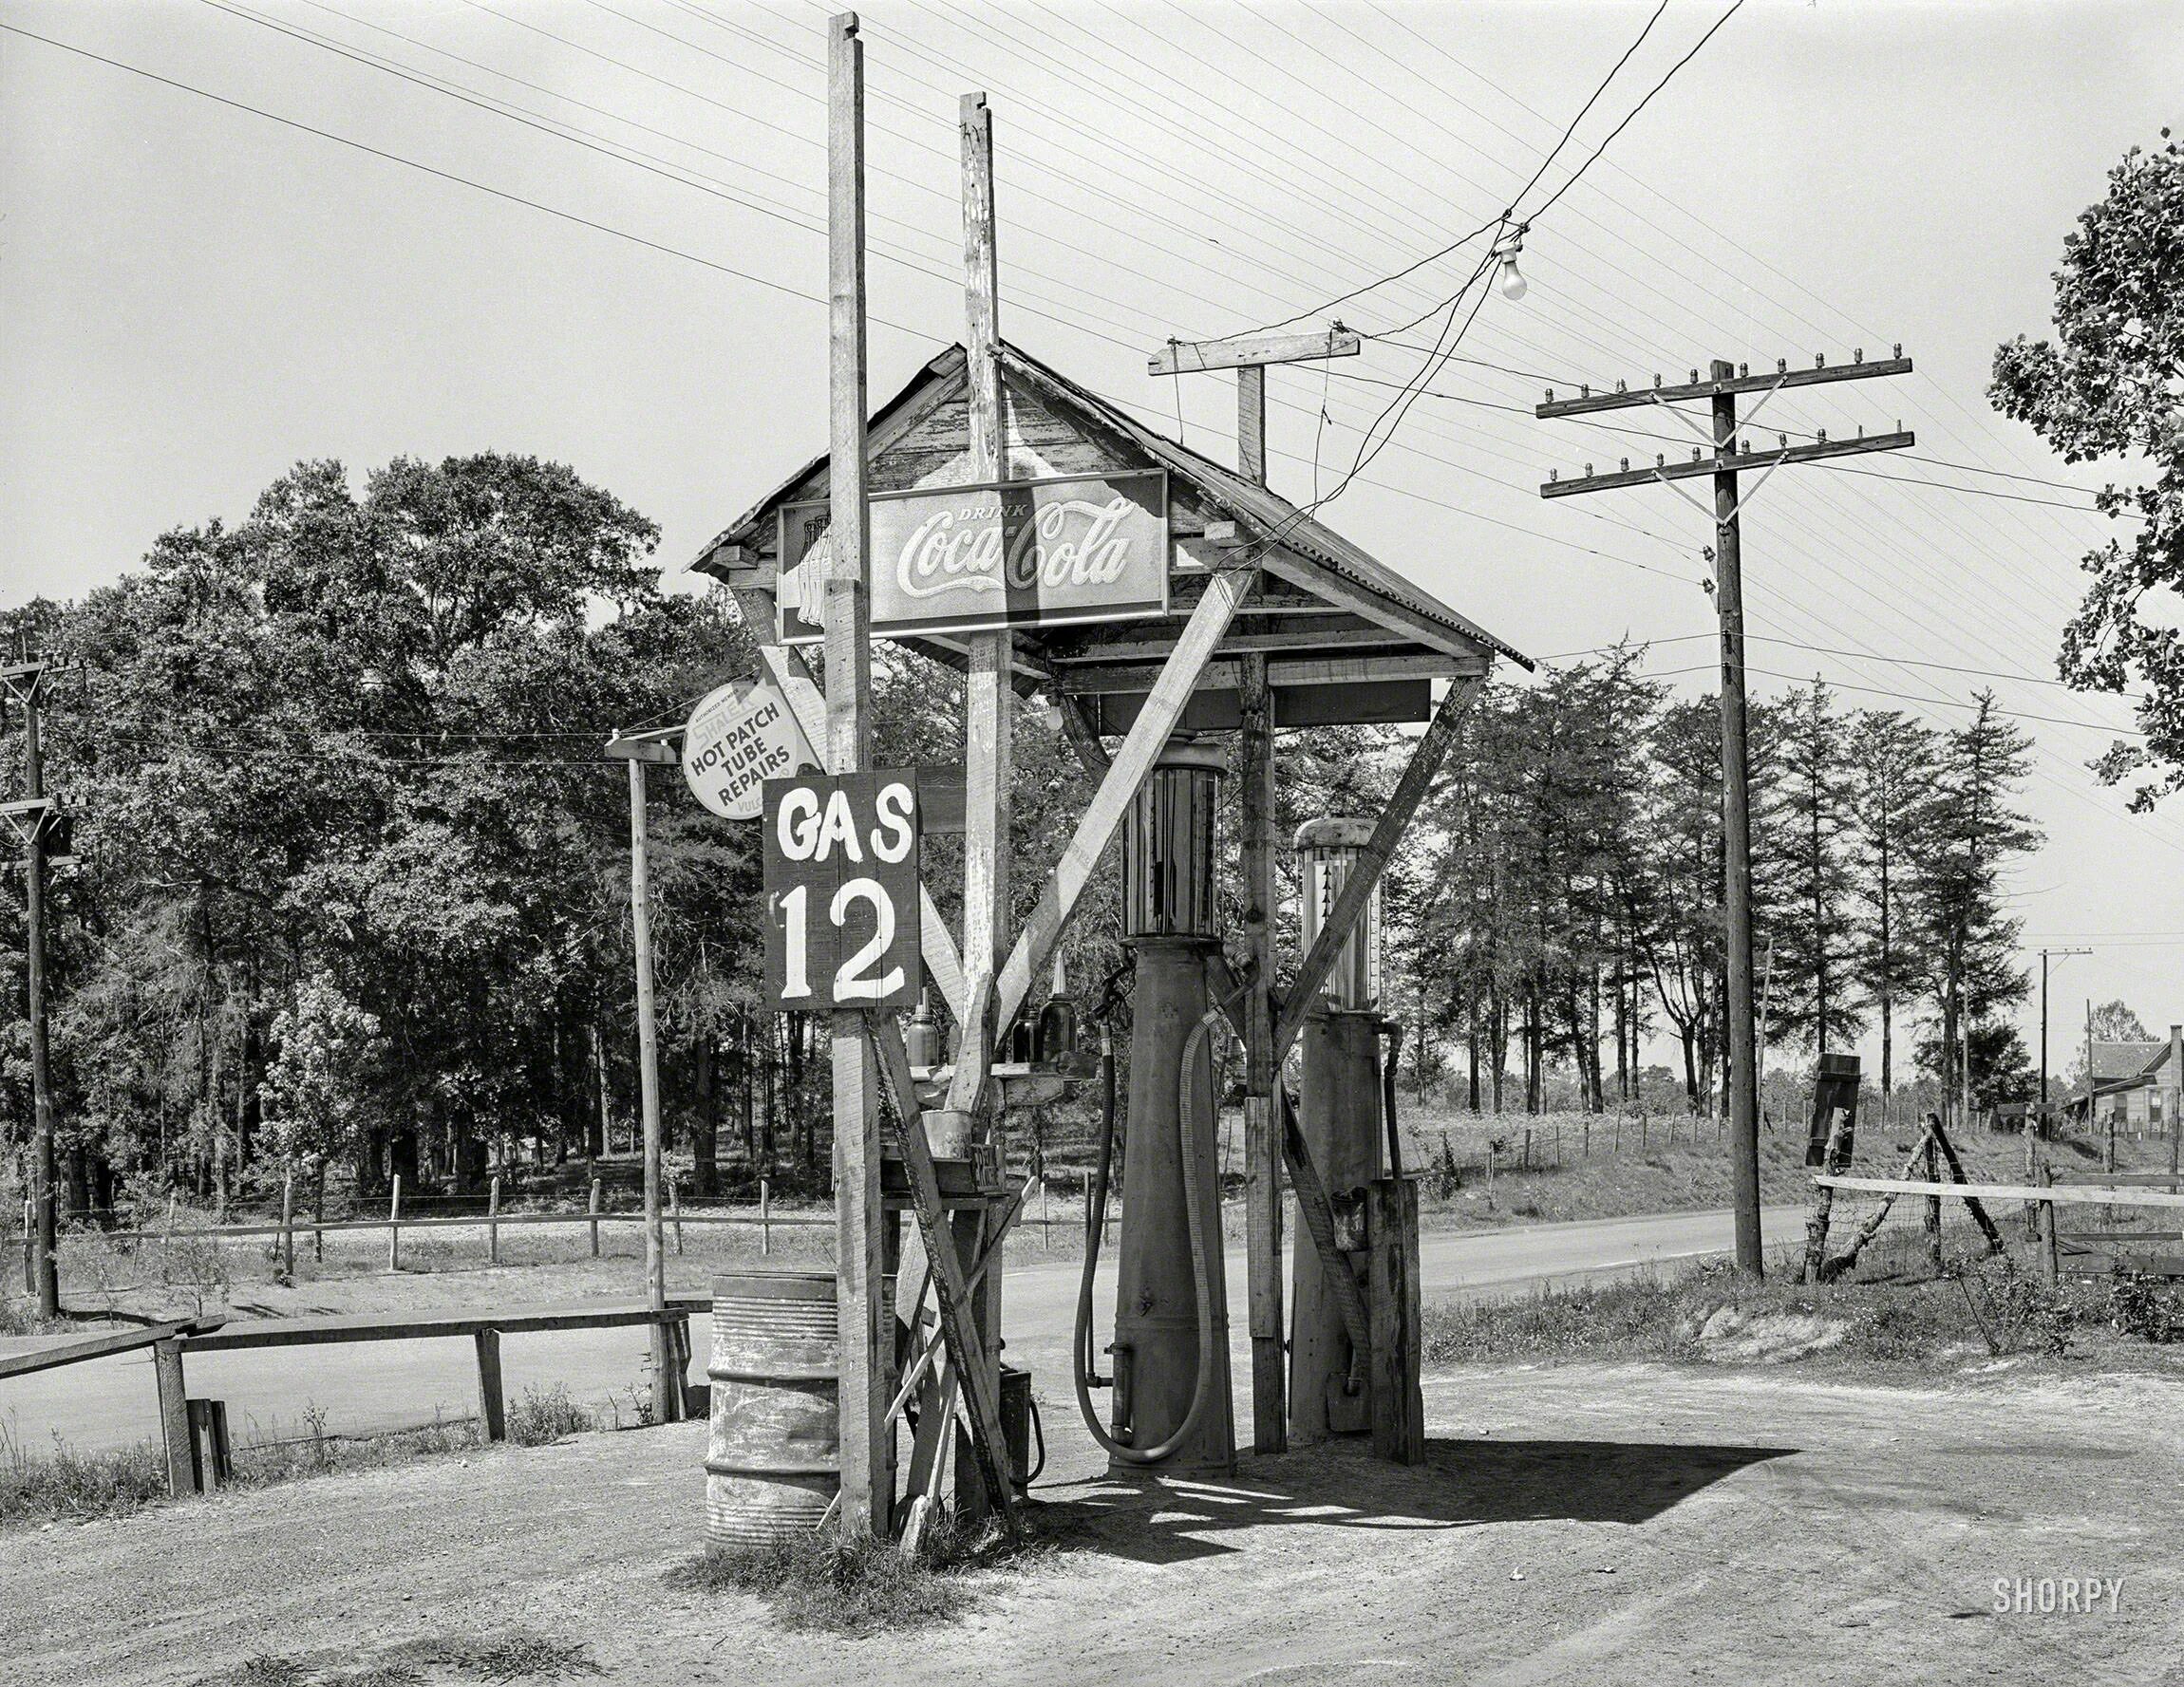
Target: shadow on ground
column 1461, row 1484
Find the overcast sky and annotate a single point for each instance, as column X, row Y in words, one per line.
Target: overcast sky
column 196, row 296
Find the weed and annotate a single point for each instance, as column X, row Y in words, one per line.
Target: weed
column 2024, row 1314
column 1444, row 1177
column 819, row 1583
column 67, row 1484
column 261, row 1669
column 2151, row 1311
column 545, row 1416
column 516, row 1654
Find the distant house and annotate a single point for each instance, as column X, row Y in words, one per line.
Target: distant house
column 2131, row 1084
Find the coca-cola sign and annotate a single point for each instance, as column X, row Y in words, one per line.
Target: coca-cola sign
column 1024, row 553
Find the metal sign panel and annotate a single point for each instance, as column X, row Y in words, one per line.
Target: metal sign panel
column 743, row 735
column 1012, row 554
column 841, row 889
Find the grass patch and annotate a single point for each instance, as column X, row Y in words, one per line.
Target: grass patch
column 1897, row 1316
column 64, row 1485
column 544, row 1416
column 514, row 1655
column 820, row 1584
column 67, row 1485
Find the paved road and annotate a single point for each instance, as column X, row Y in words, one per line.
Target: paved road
column 388, row 1384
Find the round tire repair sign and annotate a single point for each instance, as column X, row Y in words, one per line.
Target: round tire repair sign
column 740, row 737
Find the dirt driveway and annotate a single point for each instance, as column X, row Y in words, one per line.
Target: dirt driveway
column 1574, row 1523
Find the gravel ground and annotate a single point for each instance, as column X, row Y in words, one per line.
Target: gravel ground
column 1574, row 1523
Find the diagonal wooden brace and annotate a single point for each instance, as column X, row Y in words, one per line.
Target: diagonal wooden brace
column 1132, row 764
column 951, row 1289
column 1317, row 1214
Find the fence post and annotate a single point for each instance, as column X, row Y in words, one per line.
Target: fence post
column 287, row 1222
column 2050, row 1252
column 30, row 1229
column 493, row 1221
column 594, row 1216
column 394, row 1226
column 174, row 1417
column 318, row 1210
column 1586, row 1153
column 492, row 1410
column 1932, row 1205
column 675, row 1209
column 765, row 1213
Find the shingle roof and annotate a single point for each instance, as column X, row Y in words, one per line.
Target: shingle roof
column 2124, row 1059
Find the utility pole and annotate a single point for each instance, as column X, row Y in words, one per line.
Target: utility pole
column 33, row 816
column 639, row 750
column 867, row 1344
column 1730, row 457
column 2059, row 954
column 1250, row 357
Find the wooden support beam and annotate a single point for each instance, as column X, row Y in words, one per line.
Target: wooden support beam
column 1227, row 675
column 1372, row 861
column 952, row 1295
column 492, row 1405
column 1095, row 827
column 1586, row 403
column 1317, row 1215
column 174, row 1417
column 1262, row 1147
column 1398, row 1401
column 989, row 703
column 1730, row 462
column 867, row 1343
column 1251, row 423
column 1190, row 357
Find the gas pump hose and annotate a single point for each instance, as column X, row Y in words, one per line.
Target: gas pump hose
column 1201, row 1272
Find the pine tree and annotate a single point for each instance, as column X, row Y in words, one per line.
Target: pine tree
column 1891, row 759
column 1967, row 940
column 1811, row 915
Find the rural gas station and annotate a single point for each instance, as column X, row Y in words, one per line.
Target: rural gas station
column 1000, row 518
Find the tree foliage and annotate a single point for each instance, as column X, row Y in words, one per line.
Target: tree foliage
column 2112, row 385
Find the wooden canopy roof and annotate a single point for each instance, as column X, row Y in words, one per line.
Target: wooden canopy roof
column 1347, row 639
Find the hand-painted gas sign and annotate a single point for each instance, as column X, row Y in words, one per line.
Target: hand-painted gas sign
column 743, row 735
column 841, row 891
column 1017, row 552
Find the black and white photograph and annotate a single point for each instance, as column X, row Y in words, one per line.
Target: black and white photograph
column 962, row 843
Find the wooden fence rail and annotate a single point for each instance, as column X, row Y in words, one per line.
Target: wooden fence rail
column 2060, row 1194
column 194, row 1431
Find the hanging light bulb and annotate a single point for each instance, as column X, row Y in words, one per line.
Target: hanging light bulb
column 1505, row 250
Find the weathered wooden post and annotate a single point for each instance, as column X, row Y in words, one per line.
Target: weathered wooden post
column 594, row 1211
column 675, row 1208
column 2050, row 1251
column 1398, row 1401
column 493, row 1221
column 492, row 1410
column 1933, row 1214
column 174, row 1417
column 287, row 1222
column 765, row 1216
column 394, row 1225
column 1833, row 1159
